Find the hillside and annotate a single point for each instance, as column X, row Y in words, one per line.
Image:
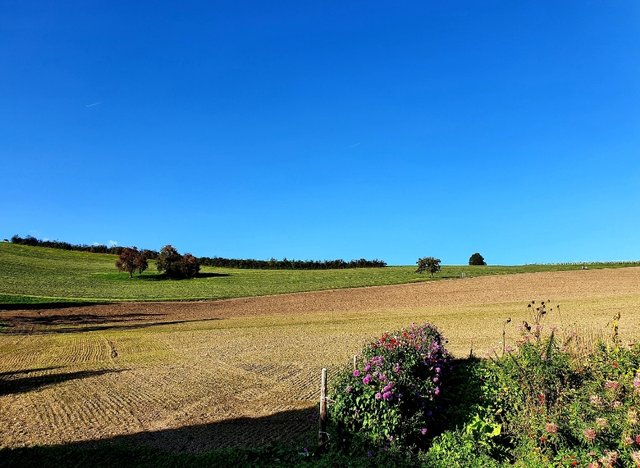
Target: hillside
column 37, row 275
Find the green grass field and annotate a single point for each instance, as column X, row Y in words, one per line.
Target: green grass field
column 37, row 275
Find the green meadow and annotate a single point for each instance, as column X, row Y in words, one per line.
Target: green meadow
column 38, row 275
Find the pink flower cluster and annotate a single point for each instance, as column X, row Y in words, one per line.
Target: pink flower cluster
column 590, row 434
column 611, row 385
column 373, row 374
column 419, row 337
column 595, row 400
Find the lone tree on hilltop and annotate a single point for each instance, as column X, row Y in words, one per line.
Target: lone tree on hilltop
column 174, row 265
column 430, row 264
column 477, row 259
column 131, row 260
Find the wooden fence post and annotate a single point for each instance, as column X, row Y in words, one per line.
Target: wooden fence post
column 355, row 361
column 322, row 433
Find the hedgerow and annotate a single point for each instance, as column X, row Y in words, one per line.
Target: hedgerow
column 219, row 262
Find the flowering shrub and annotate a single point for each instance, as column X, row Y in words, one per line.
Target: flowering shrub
column 391, row 396
column 549, row 402
column 559, row 409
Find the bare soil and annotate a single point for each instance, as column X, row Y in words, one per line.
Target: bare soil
column 189, row 376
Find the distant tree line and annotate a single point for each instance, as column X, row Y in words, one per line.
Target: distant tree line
column 286, row 264
column 219, row 262
column 99, row 248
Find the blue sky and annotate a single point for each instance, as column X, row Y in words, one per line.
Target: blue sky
column 318, row 130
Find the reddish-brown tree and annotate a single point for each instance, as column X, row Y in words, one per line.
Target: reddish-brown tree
column 131, row 260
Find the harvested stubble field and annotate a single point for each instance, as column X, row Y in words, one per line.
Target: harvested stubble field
column 191, row 376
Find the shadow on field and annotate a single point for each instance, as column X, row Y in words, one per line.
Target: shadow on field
column 48, row 325
column 463, row 394
column 11, row 384
column 48, row 305
column 277, row 439
column 82, row 319
column 163, row 277
column 4, row 375
column 212, row 275
column 183, row 446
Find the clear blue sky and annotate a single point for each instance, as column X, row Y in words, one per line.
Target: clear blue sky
column 318, row 130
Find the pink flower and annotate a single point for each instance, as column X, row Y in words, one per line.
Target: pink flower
column 595, row 400
column 378, row 395
column 423, row 431
column 367, row 379
column 610, row 458
column 551, row 428
column 590, row 434
column 611, row 385
column 356, row 373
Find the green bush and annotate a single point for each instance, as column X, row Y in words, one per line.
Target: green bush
column 430, row 264
column 391, row 397
column 456, row 449
column 477, row 259
column 177, row 266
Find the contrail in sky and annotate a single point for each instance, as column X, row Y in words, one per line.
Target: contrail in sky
column 93, row 104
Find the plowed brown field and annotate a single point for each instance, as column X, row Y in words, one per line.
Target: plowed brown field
column 197, row 375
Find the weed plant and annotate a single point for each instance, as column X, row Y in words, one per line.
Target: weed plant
column 550, row 403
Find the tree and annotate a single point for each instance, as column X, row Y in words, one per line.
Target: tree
column 168, row 261
column 477, row 259
column 430, row 264
column 130, row 260
column 175, row 265
column 190, row 266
